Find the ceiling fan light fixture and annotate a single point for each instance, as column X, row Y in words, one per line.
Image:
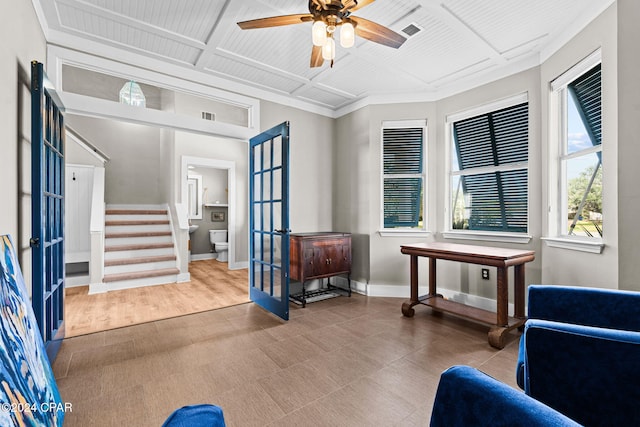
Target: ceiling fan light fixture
column 329, row 49
column 319, row 33
column 347, row 35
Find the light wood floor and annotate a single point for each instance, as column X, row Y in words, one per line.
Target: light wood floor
column 340, row 362
column 212, row 286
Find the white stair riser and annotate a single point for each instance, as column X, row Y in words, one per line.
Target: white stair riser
column 147, row 266
column 137, row 283
column 136, row 228
column 137, row 240
column 134, row 217
column 137, row 253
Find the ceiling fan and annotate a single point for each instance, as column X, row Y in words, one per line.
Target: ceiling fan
column 327, row 16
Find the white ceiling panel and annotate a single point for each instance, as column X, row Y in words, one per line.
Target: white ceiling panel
column 97, row 26
column 433, row 53
column 191, row 18
column 249, row 73
column 460, row 40
column 388, row 12
column 509, row 26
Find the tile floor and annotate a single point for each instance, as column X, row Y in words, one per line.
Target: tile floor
column 340, row 362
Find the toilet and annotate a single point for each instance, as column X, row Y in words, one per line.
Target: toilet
column 218, row 239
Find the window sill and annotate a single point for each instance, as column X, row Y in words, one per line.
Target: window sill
column 592, row 246
column 404, row 233
column 487, row 236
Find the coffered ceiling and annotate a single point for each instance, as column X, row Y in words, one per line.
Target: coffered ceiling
column 461, row 43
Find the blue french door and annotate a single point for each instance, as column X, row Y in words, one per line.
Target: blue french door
column 47, row 209
column 269, row 220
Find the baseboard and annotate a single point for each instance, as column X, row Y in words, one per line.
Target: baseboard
column 184, row 277
column 395, row 291
column 201, row 257
column 239, row 265
column 98, row 288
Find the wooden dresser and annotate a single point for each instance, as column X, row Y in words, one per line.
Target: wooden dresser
column 318, row 256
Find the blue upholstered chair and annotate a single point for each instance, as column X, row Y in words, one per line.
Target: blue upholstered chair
column 580, row 353
column 196, row 416
column 467, row 397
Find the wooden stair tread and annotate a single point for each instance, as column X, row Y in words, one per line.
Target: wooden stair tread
column 138, row 222
column 137, row 234
column 138, row 247
column 139, row 260
column 136, row 212
column 140, row 274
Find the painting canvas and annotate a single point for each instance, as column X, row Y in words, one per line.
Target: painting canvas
column 28, row 392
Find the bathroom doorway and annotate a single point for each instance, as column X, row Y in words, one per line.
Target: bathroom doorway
column 209, row 192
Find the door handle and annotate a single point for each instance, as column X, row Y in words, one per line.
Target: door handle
column 283, row 230
column 34, row 242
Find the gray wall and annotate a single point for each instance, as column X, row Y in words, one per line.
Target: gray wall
column 22, row 42
column 628, row 126
column 312, row 170
column 561, row 266
column 132, row 176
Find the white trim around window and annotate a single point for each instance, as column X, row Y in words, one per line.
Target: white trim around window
column 404, row 231
column 558, row 158
column 451, row 119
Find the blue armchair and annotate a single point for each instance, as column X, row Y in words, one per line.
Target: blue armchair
column 203, row 415
column 580, row 353
column 468, row 397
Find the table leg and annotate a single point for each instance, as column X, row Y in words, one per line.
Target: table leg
column 498, row 331
column 518, row 291
column 407, row 309
column 432, row 276
column 503, row 297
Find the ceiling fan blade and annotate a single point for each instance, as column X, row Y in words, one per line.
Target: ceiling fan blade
column 316, row 56
column 276, row 21
column 377, row 33
column 352, row 5
column 321, row 4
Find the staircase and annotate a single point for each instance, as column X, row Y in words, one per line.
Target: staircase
column 139, row 247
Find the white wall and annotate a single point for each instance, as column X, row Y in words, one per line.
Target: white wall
column 21, row 42
column 77, row 212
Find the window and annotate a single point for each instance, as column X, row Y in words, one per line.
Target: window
column 403, row 165
column 489, row 168
column 578, row 106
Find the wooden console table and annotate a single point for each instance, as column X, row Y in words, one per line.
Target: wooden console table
column 497, row 257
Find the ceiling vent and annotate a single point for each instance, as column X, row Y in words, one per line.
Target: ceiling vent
column 209, row 116
column 412, row 29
